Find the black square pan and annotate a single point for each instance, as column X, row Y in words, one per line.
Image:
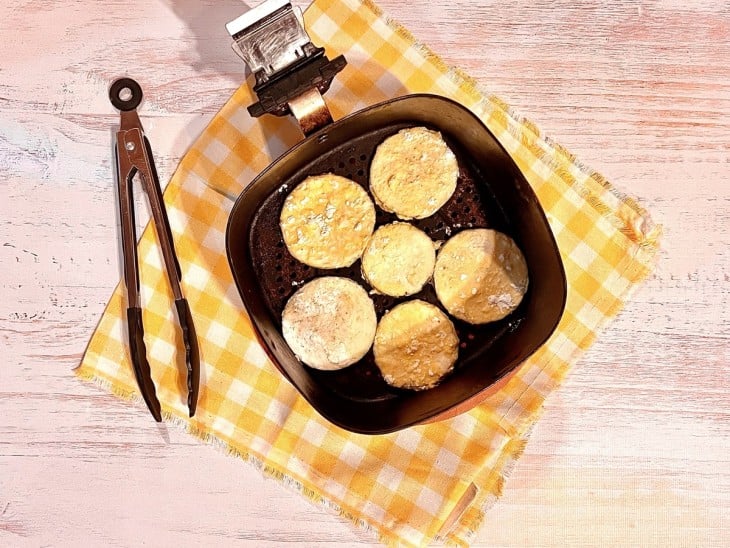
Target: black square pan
column 491, row 193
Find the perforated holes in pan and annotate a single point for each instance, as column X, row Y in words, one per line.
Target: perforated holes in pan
column 280, row 275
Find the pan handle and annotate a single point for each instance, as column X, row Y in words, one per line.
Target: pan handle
column 311, row 111
column 291, row 73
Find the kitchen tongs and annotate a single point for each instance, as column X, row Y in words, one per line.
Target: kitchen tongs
column 134, row 156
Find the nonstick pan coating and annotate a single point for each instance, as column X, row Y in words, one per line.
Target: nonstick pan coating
column 490, row 193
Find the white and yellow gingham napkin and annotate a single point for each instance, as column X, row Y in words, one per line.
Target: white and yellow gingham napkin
column 404, row 485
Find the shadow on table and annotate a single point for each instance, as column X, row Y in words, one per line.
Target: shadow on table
column 207, row 22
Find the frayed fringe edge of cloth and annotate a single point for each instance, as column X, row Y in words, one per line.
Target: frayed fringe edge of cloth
column 461, row 534
column 375, row 532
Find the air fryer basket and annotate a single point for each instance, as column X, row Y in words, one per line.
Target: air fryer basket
column 491, row 192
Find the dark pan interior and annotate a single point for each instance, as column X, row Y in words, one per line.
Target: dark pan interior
column 469, row 207
column 491, row 193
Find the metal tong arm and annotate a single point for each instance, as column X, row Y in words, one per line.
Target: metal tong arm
column 133, row 150
column 134, row 156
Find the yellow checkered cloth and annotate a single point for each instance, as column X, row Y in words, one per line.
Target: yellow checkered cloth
column 405, row 485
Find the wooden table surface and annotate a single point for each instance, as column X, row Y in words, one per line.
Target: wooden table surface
column 632, row 450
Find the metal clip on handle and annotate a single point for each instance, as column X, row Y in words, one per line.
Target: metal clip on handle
column 291, row 73
column 134, row 156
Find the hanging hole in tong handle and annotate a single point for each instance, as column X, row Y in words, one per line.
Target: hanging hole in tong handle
column 125, row 94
